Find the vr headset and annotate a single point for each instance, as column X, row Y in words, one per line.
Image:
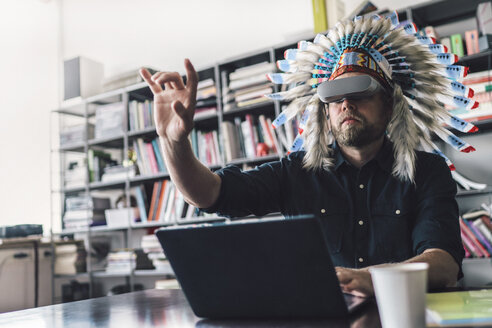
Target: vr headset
column 354, row 87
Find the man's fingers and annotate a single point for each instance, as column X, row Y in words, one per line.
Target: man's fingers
column 156, row 88
column 165, row 77
column 191, row 76
column 344, row 276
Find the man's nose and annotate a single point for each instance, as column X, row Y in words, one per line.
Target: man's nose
column 348, row 104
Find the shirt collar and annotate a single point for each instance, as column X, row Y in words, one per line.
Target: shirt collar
column 384, row 158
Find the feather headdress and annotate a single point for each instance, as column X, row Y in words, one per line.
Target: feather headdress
column 423, row 78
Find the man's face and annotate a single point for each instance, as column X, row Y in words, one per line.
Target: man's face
column 356, row 123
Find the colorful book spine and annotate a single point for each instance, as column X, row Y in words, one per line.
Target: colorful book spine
column 151, row 157
column 158, row 155
column 153, row 200
column 471, row 40
column 480, row 237
column 457, row 45
column 160, row 203
column 483, row 229
column 480, row 249
column 473, row 249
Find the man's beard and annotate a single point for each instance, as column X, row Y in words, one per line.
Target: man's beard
column 356, row 134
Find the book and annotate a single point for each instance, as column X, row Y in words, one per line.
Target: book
column 446, row 42
column 143, row 154
column 480, row 237
column 160, row 202
column 215, row 137
column 169, row 213
column 457, row 45
column 483, row 229
column 254, row 94
column 203, row 84
column 486, row 220
column 165, row 200
column 253, row 101
column 248, row 142
column 141, row 202
column 140, row 165
column 253, row 138
column 460, row 308
column 249, row 81
column 469, row 245
column 475, row 214
column 152, row 158
column 471, row 40
column 153, row 201
column 252, row 70
column 479, row 247
column 158, row 155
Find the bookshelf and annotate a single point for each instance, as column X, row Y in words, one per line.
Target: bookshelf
column 121, row 143
column 432, row 13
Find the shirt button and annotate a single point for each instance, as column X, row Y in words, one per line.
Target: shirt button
column 361, row 259
column 361, row 222
column 323, row 210
column 397, row 212
column 361, row 186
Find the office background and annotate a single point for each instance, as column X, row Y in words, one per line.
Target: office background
column 37, row 35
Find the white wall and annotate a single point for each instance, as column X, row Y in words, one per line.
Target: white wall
column 123, row 35
column 28, row 86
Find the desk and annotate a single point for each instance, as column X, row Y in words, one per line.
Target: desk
column 159, row 308
column 155, row 308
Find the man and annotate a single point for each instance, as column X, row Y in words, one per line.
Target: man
column 376, row 205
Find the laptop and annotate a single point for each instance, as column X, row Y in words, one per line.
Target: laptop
column 256, row 268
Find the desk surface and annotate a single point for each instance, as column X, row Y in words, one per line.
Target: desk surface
column 155, row 308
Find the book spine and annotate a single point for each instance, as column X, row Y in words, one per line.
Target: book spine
column 467, row 252
column 483, row 229
column 145, row 159
column 153, row 201
column 480, row 237
column 160, row 202
column 141, row 121
column 131, row 115
column 226, row 144
column 457, row 45
column 151, row 156
column 274, row 136
column 240, row 135
column 158, row 155
column 486, row 220
column 473, row 249
column 471, row 40
column 215, row 135
column 249, row 119
column 141, row 203
column 150, row 106
column 474, row 240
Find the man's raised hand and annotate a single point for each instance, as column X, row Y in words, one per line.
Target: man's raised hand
column 174, row 106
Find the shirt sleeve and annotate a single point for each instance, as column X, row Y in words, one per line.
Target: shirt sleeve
column 256, row 191
column 437, row 216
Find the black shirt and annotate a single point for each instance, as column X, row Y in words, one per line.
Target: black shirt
column 369, row 216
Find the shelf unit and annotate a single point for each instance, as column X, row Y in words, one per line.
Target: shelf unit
column 424, row 14
column 124, row 142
